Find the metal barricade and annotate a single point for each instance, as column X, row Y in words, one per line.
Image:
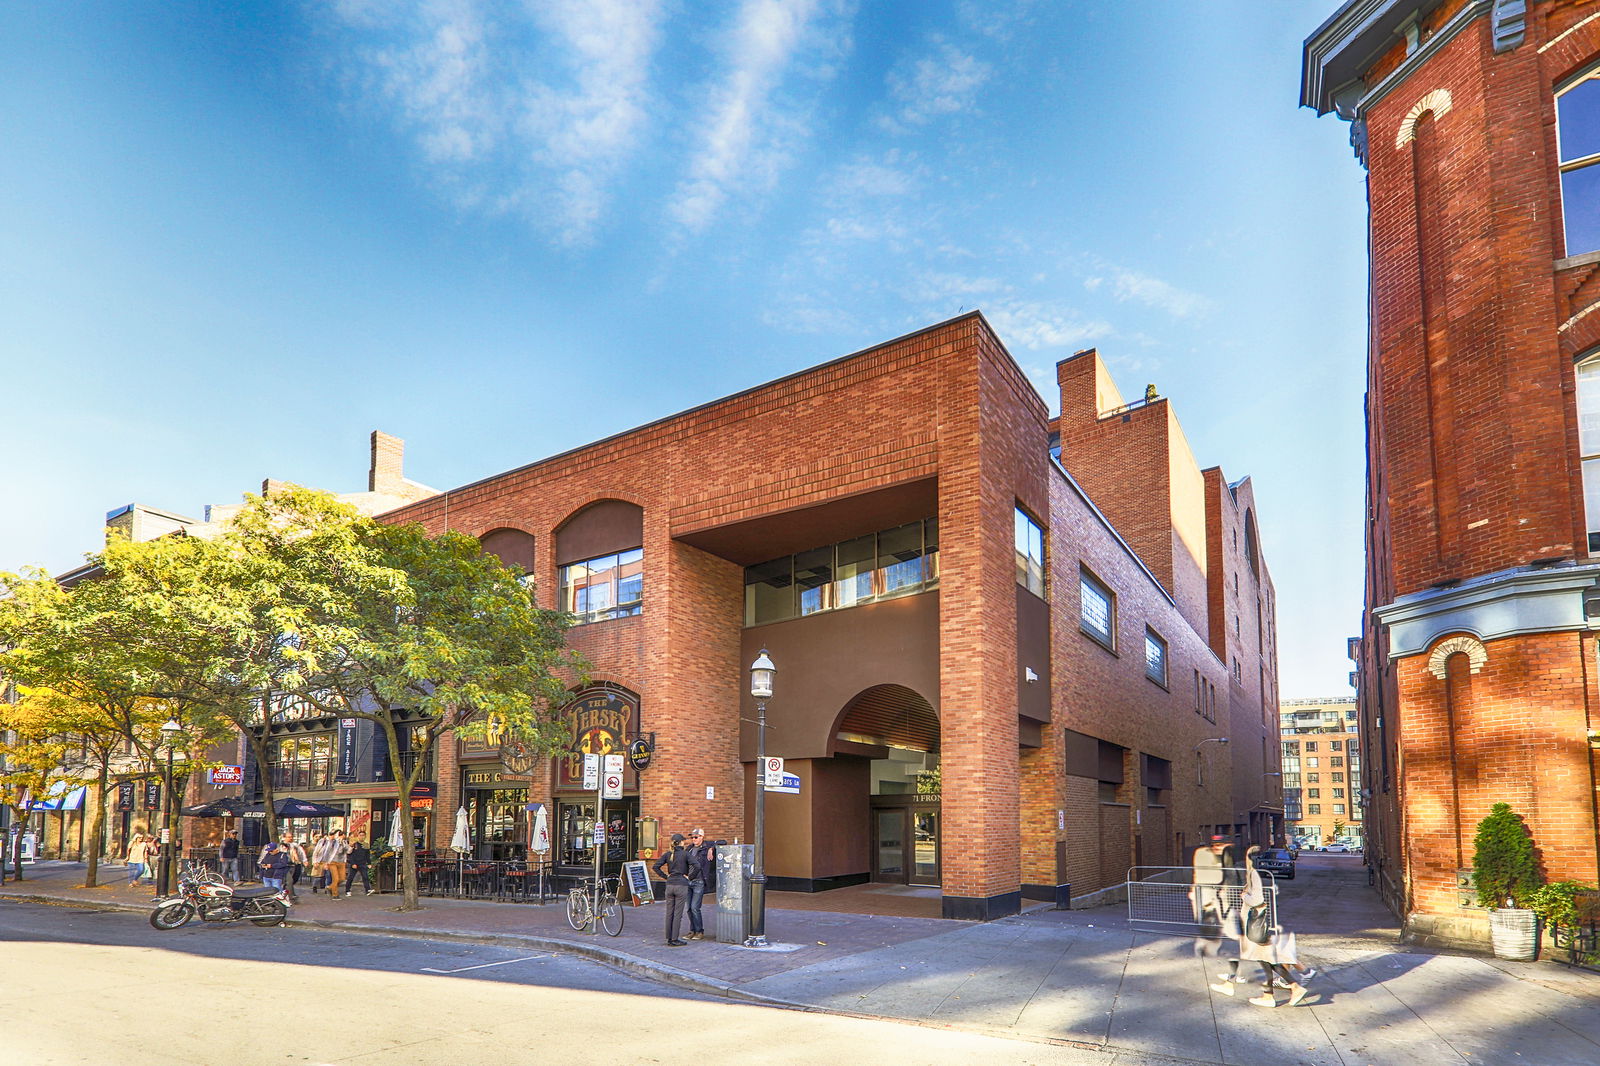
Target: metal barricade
column 1166, row 899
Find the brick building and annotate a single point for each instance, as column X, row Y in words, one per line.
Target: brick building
column 1321, row 771
column 1479, row 124
column 1006, row 644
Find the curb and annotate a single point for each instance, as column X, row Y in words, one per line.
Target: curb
column 620, row 960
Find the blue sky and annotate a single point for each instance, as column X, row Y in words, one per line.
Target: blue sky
column 236, row 238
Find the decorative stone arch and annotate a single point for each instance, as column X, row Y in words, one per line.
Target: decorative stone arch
column 1437, row 101
column 1472, row 647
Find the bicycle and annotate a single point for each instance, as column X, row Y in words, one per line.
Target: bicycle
column 582, row 910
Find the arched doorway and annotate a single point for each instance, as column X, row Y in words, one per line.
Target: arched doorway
column 897, row 730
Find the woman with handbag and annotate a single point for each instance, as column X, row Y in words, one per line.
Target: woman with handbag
column 1260, row 941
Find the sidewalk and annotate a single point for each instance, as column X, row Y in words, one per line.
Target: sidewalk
column 1075, row 977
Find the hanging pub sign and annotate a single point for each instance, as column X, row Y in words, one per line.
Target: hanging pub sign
column 599, row 721
column 640, row 752
column 152, row 795
column 125, row 796
column 347, row 750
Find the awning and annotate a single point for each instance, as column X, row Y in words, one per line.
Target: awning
column 69, row 801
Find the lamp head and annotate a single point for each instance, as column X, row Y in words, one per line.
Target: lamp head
column 761, row 672
column 170, row 728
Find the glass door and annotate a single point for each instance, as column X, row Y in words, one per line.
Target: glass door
column 889, row 846
column 925, row 845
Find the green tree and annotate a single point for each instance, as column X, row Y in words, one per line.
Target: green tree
column 30, row 765
column 420, row 635
column 1504, row 864
column 84, row 651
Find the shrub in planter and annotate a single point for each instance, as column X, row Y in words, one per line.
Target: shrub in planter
column 1507, row 873
column 1553, row 903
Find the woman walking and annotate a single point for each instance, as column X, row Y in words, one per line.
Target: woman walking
column 1271, row 946
column 135, row 858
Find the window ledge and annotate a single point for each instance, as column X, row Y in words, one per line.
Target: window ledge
column 1098, row 639
column 1158, row 683
column 1572, row 261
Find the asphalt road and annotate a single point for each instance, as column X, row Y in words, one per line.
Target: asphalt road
column 101, row 988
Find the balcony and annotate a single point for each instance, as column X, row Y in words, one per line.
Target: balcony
column 408, row 760
column 302, row 775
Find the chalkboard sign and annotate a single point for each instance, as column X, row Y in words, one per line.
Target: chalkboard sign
column 637, row 877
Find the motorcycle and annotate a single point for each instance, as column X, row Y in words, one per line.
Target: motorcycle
column 206, row 895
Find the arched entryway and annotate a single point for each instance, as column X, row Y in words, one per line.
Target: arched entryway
column 897, row 731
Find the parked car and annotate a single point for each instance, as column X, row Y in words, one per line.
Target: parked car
column 1336, row 846
column 1279, row 862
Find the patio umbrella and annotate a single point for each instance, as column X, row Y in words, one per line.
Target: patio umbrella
column 226, row 807
column 461, row 842
column 290, row 807
column 397, row 833
column 541, row 830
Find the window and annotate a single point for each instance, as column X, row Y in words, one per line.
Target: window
column 1312, row 762
column 1097, row 609
column 1311, row 745
column 879, row 566
column 1155, row 658
column 1578, row 149
column 1313, row 793
column 1336, row 761
column 1313, row 778
column 1338, row 808
column 1337, row 778
column 1338, row 793
column 1588, row 374
column 1030, row 553
column 611, row 586
column 1313, row 808
column 1335, row 745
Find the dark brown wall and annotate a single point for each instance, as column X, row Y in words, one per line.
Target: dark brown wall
column 825, row 659
column 600, row 529
column 1033, row 649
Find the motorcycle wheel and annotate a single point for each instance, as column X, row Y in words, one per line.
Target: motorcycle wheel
column 268, row 912
column 171, row 915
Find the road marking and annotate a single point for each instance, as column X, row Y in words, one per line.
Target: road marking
column 485, row 965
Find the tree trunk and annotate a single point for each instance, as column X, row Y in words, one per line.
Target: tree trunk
column 97, row 828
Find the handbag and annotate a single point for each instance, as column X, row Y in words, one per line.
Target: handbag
column 1256, row 927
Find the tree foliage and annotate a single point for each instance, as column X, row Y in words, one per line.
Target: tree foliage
column 1504, row 864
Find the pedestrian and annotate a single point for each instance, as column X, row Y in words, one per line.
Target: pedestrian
column 1263, row 942
column 135, row 858
column 1216, row 879
column 315, row 849
column 275, row 866
column 297, row 861
column 360, row 859
column 674, row 865
column 335, row 854
column 702, row 879
column 229, row 854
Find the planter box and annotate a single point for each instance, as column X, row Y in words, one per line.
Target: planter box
column 1514, row 933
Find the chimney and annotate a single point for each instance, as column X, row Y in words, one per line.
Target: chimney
column 388, row 464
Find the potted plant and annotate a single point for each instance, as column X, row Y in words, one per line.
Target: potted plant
column 1557, row 906
column 1506, row 871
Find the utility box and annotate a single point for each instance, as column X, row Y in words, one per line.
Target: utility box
column 734, row 864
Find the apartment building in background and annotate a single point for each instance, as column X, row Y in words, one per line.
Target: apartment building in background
column 1321, row 771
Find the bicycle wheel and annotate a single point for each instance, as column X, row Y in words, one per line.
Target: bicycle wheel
column 579, row 914
column 611, row 915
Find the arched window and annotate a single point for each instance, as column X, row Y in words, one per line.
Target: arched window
column 1588, row 375
column 1578, row 149
column 601, row 561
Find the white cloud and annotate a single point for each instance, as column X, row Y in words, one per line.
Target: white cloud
column 744, row 133
column 1153, row 292
column 940, row 84
column 1033, row 325
column 456, row 74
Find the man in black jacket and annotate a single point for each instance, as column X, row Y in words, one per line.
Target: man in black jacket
column 702, row 879
column 676, row 866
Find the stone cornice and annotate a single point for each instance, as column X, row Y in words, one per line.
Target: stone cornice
column 1504, row 604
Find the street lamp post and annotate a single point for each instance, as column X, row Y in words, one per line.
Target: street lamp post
column 169, row 733
column 761, row 672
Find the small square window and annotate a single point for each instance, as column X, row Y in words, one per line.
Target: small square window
column 1097, row 609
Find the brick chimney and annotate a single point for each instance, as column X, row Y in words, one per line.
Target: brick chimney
column 387, row 472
